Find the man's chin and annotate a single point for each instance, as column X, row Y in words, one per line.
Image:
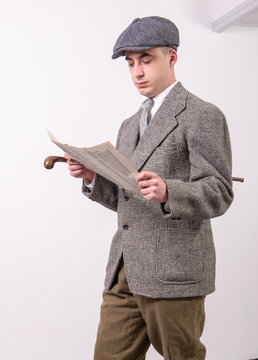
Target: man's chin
column 145, row 92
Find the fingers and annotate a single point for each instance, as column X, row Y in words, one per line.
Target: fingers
column 147, row 179
column 145, row 175
column 71, row 161
column 152, row 186
column 79, row 173
column 148, row 190
column 74, row 167
column 151, row 197
column 148, row 183
column 74, row 162
column 78, row 170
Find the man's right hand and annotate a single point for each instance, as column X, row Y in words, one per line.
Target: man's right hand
column 78, row 170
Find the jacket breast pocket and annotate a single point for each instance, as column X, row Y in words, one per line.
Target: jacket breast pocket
column 167, row 150
column 163, row 160
column 179, row 257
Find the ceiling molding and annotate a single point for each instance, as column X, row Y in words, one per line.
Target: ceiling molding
column 235, row 16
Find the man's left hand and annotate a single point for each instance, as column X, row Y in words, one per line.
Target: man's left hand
column 152, row 187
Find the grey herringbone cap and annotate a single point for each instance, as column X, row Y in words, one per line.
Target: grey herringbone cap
column 146, row 33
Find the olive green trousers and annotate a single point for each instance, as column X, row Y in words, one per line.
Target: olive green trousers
column 129, row 323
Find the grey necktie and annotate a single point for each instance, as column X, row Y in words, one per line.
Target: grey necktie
column 146, row 106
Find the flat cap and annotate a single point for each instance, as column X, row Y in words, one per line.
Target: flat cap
column 146, row 33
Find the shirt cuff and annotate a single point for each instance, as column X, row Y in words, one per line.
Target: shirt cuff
column 88, row 183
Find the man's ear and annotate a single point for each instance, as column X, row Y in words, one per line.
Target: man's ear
column 172, row 57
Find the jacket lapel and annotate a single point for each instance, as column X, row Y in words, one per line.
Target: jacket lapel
column 162, row 123
column 129, row 142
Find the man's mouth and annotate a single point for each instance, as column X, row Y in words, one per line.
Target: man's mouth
column 141, row 84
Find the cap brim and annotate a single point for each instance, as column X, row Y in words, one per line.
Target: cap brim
column 121, row 51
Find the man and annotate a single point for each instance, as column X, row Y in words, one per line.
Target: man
column 162, row 259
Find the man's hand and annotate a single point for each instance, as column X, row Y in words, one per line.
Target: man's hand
column 78, row 170
column 152, row 187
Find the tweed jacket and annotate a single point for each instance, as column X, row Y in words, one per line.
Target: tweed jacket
column 168, row 248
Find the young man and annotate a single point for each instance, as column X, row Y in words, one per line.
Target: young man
column 162, row 258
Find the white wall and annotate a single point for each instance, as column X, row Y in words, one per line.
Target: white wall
column 56, row 73
column 221, row 7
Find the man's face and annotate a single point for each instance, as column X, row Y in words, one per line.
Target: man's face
column 151, row 70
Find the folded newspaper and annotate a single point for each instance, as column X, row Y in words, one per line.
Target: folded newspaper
column 105, row 160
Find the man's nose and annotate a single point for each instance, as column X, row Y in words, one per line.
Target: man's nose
column 138, row 70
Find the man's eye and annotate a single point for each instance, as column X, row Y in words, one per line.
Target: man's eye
column 146, row 61
column 130, row 64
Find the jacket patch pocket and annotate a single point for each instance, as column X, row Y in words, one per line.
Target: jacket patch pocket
column 179, row 257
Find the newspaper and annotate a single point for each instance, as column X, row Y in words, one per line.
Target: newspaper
column 105, row 160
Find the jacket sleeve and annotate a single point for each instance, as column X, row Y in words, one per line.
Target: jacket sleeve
column 103, row 191
column 209, row 191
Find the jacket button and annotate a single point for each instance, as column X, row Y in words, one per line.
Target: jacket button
column 125, row 227
column 126, row 198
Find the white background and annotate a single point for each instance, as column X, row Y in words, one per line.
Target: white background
column 220, row 7
column 56, row 72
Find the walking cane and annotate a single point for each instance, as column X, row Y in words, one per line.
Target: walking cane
column 51, row 160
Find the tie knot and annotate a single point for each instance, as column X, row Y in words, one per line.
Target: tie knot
column 147, row 104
